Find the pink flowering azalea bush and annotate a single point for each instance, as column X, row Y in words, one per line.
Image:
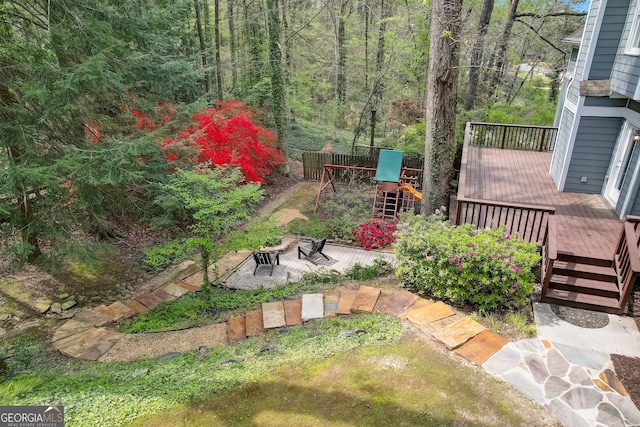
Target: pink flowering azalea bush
column 374, row 234
column 487, row 269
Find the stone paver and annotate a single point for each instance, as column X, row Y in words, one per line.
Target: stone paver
column 273, row 315
column 163, row 295
column 312, row 307
column 102, row 346
column 135, row 306
column 148, row 299
column 122, row 310
column 188, row 286
column 293, row 312
column 331, row 305
column 418, row 312
column 69, row 328
column 93, row 318
column 108, row 311
column 236, row 329
column 254, row 323
column 459, row 332
column 175, row 289
column 346, row 300
column 365, row 300
column 479, row 348
column 394, row 303
column 76, row 345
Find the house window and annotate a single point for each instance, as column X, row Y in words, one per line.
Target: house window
column 633, row 44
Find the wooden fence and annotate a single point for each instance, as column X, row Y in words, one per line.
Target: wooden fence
column 313, row 165
column 513, row 137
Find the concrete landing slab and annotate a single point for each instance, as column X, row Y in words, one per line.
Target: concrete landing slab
column 331, row 305
column 174, row 289
column 135, row 306
column 293, row 312
column 620, row 336
column 459, row 332
column 124, row 311
column 254, row 323
column 273, row 315
column 312, row 307
column 92, row 318
column 394, row 303
column 236, row 329
column 148, row 299
column 365, row 299
column 479, row 348
column 346, row 301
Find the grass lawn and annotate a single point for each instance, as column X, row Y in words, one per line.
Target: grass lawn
column 407, row 383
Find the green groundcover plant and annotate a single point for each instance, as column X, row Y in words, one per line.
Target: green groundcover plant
column 485, row 268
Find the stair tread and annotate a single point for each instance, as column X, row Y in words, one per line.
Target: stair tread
column 579, row 282
column 567, row 256
column 569, row 296
column 586, row 268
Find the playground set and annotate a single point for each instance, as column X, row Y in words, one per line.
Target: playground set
column 395, row 185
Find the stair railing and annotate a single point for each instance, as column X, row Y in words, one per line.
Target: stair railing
column 627, row 258
column 549, row 251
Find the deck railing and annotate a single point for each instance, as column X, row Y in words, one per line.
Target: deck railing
column 513, row 137
column 627, row 258
column 527, row 222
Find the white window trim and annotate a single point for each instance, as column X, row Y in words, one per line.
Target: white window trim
column 634, row 34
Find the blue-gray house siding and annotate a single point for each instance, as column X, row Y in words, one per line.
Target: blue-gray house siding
column 615, row 16
column 591, row 155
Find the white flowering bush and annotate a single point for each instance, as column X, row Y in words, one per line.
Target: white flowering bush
column 485, row 268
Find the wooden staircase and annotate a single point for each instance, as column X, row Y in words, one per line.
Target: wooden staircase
column 592, row 283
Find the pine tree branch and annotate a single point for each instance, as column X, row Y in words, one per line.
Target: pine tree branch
column 540, row 36
column 546, row 15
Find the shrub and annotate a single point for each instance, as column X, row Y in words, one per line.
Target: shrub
column 375, row 234
column 487, row 269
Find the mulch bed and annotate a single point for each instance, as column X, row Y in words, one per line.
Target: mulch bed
column 628, row 372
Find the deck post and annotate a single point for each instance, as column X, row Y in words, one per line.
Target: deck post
column 504, row 137
column 544, row 134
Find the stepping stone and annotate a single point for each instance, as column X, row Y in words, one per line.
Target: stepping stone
column 93, row 318
column 104, row 345
column 147, row 299
column 446, row 321
column 43, row 305
column 347, row 296
column 103, row 309
column 189, row 287
column 194, row 280
column 254, row 324
column 273, row 315
column 479, row 348
column 609, row 378
column 135, row 306
column 121, row 309
column 395, row 303
column 293, row 312
column 312, row 307
column 163, row 295
column 418, row 313
column 458, row 333
column 174, row 290
column 365, row 299
column 236, row 329
column 77, row 344
column 69, row 328
column 331, row 305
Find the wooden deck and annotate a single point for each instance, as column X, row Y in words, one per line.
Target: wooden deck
column 586, row 223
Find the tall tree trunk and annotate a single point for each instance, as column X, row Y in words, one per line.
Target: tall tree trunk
column 253, row 36
column 475, row 62
column 501, row 49
column 441, row 103
column 203, row 46
column 366, row 45
column 232, row 46
column 286, row 46
column 216, row 34
column 378, row 85
column 277, row 81
column 341, row 76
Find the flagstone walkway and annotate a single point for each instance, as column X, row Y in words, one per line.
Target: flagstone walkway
column 577, row 386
